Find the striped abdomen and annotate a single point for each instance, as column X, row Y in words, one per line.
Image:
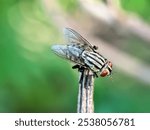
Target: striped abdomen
column 94, row 61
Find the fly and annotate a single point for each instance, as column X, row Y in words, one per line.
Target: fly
column 83, row 54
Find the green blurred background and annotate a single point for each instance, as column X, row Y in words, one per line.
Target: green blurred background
column 33, row 79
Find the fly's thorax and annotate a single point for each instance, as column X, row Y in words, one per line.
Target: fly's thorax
column 83, row 54
column 93, row 60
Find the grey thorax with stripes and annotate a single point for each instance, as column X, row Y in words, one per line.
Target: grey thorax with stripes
column 94, row 61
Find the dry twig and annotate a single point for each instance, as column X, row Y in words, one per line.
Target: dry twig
column 85, row 94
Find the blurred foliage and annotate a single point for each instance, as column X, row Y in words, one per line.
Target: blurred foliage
column 141, row 7
column 28, row 73
column 69, row 5
column 33, row 79
column 121, row 94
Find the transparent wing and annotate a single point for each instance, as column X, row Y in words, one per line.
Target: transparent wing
column 68, row 52
column 76, row 39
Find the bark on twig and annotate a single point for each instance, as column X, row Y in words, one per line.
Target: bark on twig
column 85, row 94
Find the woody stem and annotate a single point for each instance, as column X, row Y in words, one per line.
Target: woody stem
column 85, row 94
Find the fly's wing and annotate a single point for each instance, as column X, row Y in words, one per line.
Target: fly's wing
column 75, row 39
column 68, row 52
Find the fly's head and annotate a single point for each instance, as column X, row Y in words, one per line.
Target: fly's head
column 106, row 71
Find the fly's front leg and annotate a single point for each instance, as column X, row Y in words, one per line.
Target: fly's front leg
column 95, row 75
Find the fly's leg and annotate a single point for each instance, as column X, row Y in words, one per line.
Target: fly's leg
column 80, row 69
column 76, row 66
column 95, row 75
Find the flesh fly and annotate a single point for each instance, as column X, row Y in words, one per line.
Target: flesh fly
column 83, row 54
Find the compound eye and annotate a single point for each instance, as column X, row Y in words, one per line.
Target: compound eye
column 104, row 73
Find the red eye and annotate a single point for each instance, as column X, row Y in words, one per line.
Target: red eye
column 104, row 73
column 110, row 64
